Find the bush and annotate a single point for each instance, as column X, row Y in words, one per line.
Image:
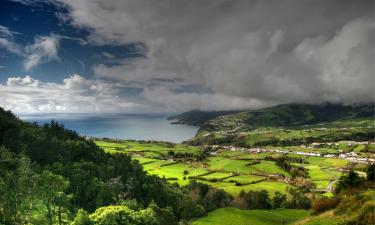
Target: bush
column 349, row 180
column 256, row 199
column 82, row 218
column 323, row 204
column 116, row 215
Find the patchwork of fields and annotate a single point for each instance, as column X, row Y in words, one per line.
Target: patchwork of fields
column 232, row 171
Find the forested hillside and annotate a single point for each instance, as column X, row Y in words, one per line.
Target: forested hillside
column 280, row 115
column 197, row 117
column 48, row 174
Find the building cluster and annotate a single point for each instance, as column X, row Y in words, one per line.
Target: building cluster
column 350, row 156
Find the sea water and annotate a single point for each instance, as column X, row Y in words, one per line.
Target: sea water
column 121, row 126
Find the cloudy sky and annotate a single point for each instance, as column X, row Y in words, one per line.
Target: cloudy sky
column 96, row 56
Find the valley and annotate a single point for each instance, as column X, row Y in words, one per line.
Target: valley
column 237, row 156
column 229, row 173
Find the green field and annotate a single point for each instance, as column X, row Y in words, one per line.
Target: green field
column 141, row 147
column 232, row 216
column 270, row 186
column 173, row 171
column 232, row 171
column 322, row 170
column 229, row 165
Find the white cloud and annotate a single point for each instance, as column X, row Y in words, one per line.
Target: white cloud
column 29, row 2
column 10, row 46
column 5, row 32
column 74, row 95
column 22, row 82
column 43, row 49
column 7, row 42
column 108, row 55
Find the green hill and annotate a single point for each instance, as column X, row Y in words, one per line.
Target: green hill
column 295, row 115
column 226, row 216
column 197, row 117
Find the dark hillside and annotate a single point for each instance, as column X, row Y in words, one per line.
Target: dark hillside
column 301, row 114
column 197, row 117
column 48, row 173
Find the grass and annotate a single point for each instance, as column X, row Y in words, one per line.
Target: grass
column 269, row 167
column 325, row 218
column 317, row 173
column 174, row 172
column 269, row 186
column 217, row 175
column 126, row 146
column 321, row 184
column 328, row 162
column 229, row 216
column 244, row 178
column 229, row 165
column 142, row 160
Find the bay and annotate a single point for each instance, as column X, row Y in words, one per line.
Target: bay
column 120, row 126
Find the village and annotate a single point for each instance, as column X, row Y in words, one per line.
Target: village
column 352, row 157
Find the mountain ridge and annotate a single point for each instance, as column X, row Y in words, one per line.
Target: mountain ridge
column 281, row 115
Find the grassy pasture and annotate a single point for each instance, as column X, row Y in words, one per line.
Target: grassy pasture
column 173, row 171
column 217, row 175
column 328, row 162
column 141, row 146
column 244, row 179
column 221, row 171
column 229, row 165
column 270, row 186
column 229, row 216
column 269, row 167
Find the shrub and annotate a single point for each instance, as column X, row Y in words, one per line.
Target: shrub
column 323, row 204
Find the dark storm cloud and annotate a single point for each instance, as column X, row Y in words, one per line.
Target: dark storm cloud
column 263, row 51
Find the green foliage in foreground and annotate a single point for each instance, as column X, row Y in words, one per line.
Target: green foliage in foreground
column 354, row 205
column 228, row 216
column 111, row 215
column 48, row 173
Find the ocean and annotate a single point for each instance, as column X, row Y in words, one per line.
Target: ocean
column 122, row 126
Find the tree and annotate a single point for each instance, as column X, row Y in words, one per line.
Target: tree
column 82, row 218
column 278, row 200
column 165, row 216
column 299, row 200
column 52, row 192
column 118, row 215
column 370, row 172
column 256, row 199
column 17, row 187
column 347, row 181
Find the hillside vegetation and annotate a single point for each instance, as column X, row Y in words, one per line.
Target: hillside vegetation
column 288, row 125
column 291, row 115
column 197, row 117
column 227, row 216
column 351, row 207
column 50, row 175
column 280, row 115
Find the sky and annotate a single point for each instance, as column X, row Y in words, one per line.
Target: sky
column 130, row 56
